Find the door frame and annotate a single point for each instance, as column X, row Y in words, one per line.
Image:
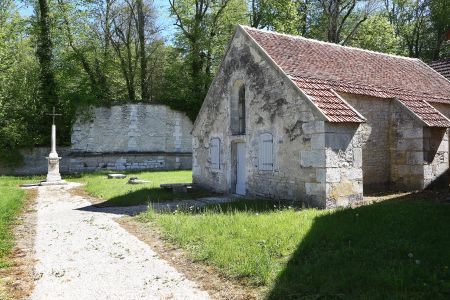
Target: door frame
column 233, row 181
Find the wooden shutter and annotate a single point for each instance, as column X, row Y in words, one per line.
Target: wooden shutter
column 214, row 152
column 266, row 152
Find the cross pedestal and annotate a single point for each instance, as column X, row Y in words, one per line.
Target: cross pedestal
column 53, row 176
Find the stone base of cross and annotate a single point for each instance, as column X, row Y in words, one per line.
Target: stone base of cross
column 53, row 175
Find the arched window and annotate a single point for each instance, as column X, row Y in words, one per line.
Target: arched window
column 241, row 104
column 237, row 118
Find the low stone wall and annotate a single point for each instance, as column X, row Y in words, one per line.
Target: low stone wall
column 133, row 128
column 129, row 161
column 35, row 162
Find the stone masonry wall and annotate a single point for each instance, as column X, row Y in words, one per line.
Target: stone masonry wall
column 436, row 162
column 445, row 110
column 35, row 162
column 344, row 173
column 419, row 154
column 129, row 162
column 127, row 137
column 323, row 164
column 133, row 128
column 375, row 140
column 406, row 150
column 272, row 106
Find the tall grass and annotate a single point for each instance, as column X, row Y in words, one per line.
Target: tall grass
column 246, row 239
column 392, row 250
column 11, row 201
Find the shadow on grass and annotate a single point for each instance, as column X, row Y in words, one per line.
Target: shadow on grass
column 137, row 201
column 153, row 195
column 397, row 249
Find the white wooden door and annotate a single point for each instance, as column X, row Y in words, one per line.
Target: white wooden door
column 240, row 169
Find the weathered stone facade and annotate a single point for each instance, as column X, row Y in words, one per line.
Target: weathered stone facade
column 375, row 134
column 303, row 169
column 132, row 137
column 321, row 163
column 399, row 151
column 132, row 128
column 343, row 150
column 126, row 137
column 35, row 163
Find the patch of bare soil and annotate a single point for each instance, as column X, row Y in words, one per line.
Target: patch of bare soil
column 209, row 279
column 18, row 279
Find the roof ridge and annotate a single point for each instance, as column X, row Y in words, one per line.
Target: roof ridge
column 328, row 43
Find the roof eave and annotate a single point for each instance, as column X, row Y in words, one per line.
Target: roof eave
column 411, row 113
column 364, row 120
column 419, row 119
column 441, row 114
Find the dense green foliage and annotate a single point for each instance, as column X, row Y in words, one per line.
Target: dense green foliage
column 116, row 192
column 77, row 53
column 392, row 250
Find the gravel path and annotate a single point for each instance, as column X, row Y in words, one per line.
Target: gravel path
column 85, row 254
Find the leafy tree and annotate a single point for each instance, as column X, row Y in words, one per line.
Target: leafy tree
column 204, row 28
column 85, row 49
column 19, row 72
column 440, row 24
column 44, row 52
column 344, row 18
column 78, row 53
column 141, row 20
column 172, row 89
column 376, row 34
column 410, row 20
column 285, row 16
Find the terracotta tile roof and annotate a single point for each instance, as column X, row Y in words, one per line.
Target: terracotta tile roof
column 328, row 101
column 319, row 68
column 442, row 67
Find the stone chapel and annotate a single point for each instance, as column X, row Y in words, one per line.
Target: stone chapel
column 293, row 118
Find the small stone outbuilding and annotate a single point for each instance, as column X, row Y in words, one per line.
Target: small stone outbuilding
column 293, row 118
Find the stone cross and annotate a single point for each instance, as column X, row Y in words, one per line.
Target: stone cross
column 54, row 115
column 53, row 175
column 53, row 153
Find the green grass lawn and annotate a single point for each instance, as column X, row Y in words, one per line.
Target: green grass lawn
column 398, row 249
column 116, row 192
column 12, row 199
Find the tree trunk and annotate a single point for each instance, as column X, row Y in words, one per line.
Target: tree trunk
column 45, row 56
column 197, row 72
column 145, row 95
column 303, row 11
column 333, row 19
